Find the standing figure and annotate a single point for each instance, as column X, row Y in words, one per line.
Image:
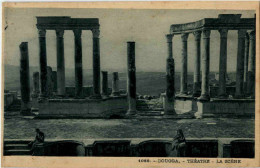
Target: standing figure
column 179, row 144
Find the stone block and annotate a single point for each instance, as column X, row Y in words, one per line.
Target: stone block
column 242, row 149
column 111, row 148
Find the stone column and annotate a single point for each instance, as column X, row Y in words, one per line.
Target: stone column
column 170, row 87
column 43, row 62
column 54, row 81
column 36, row 84
column 96, row 64
column 251, row 66
column 60, row 63
column 104, row 83
column 115, row 84
column 240, row 63
column 131, row 78
column 184, row 64
column 25, row 79
column 205, row 66
column 223, row 63
column 246, row 64
column 49, row 82
column 196, row 75
column 78, row 63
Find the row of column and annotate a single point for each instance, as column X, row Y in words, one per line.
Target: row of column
column 61, row 63
column 245, row 72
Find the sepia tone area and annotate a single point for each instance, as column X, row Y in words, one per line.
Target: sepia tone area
column 164, row 85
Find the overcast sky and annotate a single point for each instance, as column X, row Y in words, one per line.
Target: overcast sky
column 117, row 26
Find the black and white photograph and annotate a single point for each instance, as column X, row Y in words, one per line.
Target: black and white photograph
column 146, row 83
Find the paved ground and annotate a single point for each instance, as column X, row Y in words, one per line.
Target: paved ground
column 19, row 128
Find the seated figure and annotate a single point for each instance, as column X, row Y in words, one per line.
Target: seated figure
column 179, row 144
column 39, row 138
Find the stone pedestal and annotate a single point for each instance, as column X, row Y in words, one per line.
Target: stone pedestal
column 78, row 64
column 43, row 62
column 240, row 63
column 96, row 65
column 251, row 66
column 25, row 79
column 196, row 78
column 131, row 79
column 184, row 64
column 205, row 66
column 104, row 83
column 60, row 63
column 36, row 84
column 115, row 84
column 223, row 63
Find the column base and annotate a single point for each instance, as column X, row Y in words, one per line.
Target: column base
column 204, row 98
column 95, row 97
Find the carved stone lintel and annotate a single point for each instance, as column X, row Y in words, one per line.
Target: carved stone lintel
column 252, row 35
column 206, row 34
column 42, row 32
column 184, row 36
column 223, row 33
column 95, row 33
column 241, row 33
column 59, row 32
column 197, row 35
column 77, row 32
column 169, row 38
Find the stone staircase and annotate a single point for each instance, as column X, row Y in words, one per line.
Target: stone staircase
column 16, row 147
column 149, row 108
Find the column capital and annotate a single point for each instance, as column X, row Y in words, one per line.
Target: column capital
column 169, row 38
column 184, row 36
column 241, row 33
column 223, row 33
column 59, row 32
column 95, row 33
column 206, row 33
column 252, row 35
column 77, row 32
column 42, row 32
column 197, row 35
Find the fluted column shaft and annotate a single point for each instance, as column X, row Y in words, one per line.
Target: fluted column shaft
column 60, row 63
column 78, row 63
column 240, row 63
column 96, row 64
column 205, row 66
column 246, row 63
column 170, row 86
column 251, row 66
column 43, row 62
column 24, row 78
column 115, row 84
column 104, row 83
column 36, row 84
column 196, row 78
column 223, row 63
column 131, row 78
column 184, row 64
